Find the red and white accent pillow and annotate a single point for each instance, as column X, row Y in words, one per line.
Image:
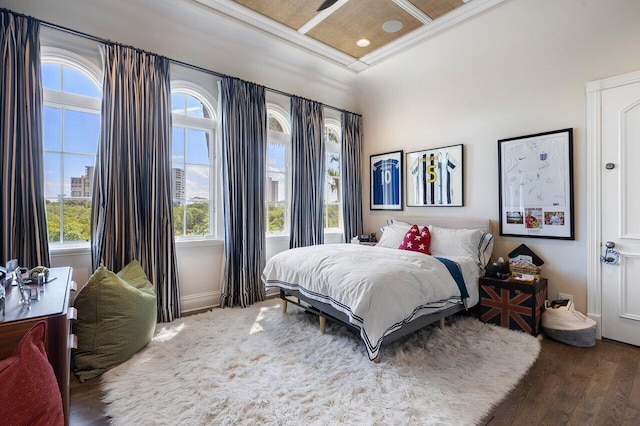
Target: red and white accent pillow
column 417, row 240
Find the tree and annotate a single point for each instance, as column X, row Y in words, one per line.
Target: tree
column 76, row 215
column 275, row 217
column 333, row 174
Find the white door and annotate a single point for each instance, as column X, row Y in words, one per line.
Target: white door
column 620, row 212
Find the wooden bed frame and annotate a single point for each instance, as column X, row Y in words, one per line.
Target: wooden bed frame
column 325, row 311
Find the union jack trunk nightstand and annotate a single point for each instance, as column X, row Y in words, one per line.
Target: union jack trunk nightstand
column 513, row 305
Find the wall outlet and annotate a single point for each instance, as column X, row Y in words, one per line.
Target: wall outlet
column 565, row 296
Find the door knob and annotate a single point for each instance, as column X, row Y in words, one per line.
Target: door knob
column 610, row 256
column 610, row 166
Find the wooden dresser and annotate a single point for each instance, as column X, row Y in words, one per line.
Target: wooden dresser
column 53, row 307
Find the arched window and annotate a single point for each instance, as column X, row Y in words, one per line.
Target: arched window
column 332, row 187
column 194, row 161
column 277, row 170
column 72, row 96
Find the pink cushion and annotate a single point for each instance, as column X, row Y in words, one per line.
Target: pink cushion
column 29, row 393
column 417, row 239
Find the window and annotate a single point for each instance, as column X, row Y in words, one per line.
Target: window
column 332, row 186
column 71, row 127
column 277, row 171
column 194, row 156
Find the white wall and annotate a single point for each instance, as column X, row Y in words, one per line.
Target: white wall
column 199, row 270
column 188, row 32
column 518, row 69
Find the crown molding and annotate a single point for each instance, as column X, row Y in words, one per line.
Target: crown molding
column 456, row 16
column 429, row 29
column 256, row 20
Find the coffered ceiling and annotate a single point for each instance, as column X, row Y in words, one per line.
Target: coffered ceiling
column 354, row 33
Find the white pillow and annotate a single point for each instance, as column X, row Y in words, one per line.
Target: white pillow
column 393, row 234
column 398, row 222
column 473, row 243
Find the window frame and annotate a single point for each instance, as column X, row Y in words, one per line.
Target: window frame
column 336, row 126
column 66, row 101
column 209, row 125
column 282, row 138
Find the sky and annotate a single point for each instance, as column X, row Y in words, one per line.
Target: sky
column 81, row 129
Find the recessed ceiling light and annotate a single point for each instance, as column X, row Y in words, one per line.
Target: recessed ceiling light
column 363, row 42
column 392, row 26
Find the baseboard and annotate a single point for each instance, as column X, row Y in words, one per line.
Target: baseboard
column 200, row 301
column 194, row 303
column 598, row 319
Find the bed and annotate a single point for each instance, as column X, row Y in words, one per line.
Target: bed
column 380, row 291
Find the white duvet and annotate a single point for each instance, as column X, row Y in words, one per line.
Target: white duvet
column 378, row 288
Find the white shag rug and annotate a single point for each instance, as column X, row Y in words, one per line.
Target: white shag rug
column 256, row 366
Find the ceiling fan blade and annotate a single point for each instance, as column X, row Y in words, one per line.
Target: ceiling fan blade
column 325, row 4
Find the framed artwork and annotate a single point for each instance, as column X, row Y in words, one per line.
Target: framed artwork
column 434, row 177
column 536, row 185
column 386, row 181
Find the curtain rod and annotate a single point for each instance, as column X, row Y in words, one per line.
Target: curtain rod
column 174, row 61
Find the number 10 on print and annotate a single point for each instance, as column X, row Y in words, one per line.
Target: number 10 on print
column 386, row 181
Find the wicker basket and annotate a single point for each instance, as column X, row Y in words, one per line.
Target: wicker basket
column 524, row 268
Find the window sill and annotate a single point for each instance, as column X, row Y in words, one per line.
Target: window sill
column 198, row 242
column 70, row 249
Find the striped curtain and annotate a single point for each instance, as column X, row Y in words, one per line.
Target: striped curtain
column 23, row 221
column 132, row 214
column 351, row 172
column 243, row 130
column 307, row 173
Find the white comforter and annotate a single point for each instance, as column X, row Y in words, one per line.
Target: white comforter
column 378, row 288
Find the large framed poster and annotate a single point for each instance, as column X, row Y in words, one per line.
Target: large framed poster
column 536, row 185
column 386, row 181
column 434, row 177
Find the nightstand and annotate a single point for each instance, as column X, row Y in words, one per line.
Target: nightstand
column 355, row 240
column 512, row 304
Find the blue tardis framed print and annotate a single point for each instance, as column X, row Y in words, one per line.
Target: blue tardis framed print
column 386, row 181
column 434, row 177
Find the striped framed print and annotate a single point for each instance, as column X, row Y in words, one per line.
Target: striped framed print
column 434, row 177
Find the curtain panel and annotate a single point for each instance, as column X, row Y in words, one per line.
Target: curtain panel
column 23, row 221
column 307, row 173
column 243, row 133
column 132, row 214
column 351, row 172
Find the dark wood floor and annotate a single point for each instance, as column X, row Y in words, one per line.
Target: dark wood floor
column 577, row 386
column 86, row 403
column 566, row 385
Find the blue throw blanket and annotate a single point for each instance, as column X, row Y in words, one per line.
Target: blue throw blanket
column 456, row 273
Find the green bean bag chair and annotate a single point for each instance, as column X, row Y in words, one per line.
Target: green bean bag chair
column 116, row 318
